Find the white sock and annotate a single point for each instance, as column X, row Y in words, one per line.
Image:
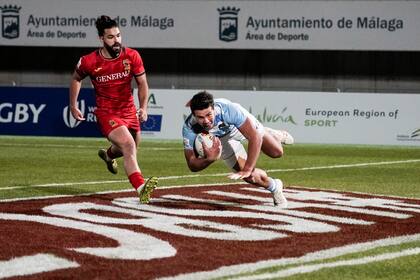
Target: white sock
column 272, row 187
column 140, row 187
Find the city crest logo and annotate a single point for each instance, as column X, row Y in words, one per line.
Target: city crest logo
column 10, row 21
column 228, row 24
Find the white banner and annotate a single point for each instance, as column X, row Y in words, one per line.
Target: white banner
column 324, row 25
column 311, row 117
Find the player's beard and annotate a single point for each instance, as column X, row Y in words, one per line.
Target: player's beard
column 114, row 50
column 207, row 127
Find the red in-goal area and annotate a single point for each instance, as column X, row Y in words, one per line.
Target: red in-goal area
column 188, row 229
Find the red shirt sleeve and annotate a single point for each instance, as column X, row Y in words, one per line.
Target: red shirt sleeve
column 81, row 67
column 137, row 64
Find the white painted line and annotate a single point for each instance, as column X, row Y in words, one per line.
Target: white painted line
column 315, row 267
column 346, row 165
column 28, row 265
column 78, row 146
column 66, row 184
column 115, row 191
column 214, row 175
column 233, row 270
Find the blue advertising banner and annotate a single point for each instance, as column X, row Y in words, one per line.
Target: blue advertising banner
column 311, row 117
column 45, row 112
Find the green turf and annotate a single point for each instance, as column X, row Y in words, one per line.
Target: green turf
column 30, row 166
column 31, row 161
column 386, row 269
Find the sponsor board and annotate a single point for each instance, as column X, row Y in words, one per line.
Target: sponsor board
column 319, row 25
column 413, row 135
column 311, row 117
column 45, row 112
column 193, row 232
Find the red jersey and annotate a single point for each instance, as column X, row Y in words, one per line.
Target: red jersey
column 112, row 78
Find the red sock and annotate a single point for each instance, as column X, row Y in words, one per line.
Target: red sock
column 136, row 179
column 110, row 153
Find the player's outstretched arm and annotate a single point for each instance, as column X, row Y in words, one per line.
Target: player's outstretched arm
column 254, row 144
column 143, row 95
column 194, row 163
column 254, row 149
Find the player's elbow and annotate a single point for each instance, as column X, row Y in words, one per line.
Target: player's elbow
column 193, row 168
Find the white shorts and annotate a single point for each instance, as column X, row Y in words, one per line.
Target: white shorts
column 232, row 147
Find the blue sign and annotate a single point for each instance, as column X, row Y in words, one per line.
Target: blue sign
column 45, row 112
column 153, row 123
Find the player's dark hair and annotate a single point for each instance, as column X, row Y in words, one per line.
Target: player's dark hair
column 104, row 22
column 201, row 100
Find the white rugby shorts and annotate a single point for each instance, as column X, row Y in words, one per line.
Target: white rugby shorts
column 232, row 147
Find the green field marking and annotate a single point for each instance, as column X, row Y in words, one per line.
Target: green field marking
column 215, row 175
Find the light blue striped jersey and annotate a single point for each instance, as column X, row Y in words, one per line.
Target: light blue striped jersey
column 228, row 117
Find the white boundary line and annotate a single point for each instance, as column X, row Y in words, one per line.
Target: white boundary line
column 233, row 270
column 347, row 165
column 214, row 175
column 114, row 191
column 29, row 265
column 308, row 268
column 76, row 146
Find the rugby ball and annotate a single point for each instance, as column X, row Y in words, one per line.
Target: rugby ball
column 198, row 143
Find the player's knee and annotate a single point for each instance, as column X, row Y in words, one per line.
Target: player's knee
column 276, row 152
column 127, row 144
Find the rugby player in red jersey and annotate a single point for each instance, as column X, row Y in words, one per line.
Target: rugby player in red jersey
column 111, row 69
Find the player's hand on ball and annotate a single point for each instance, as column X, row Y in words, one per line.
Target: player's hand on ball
column 213, row 152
